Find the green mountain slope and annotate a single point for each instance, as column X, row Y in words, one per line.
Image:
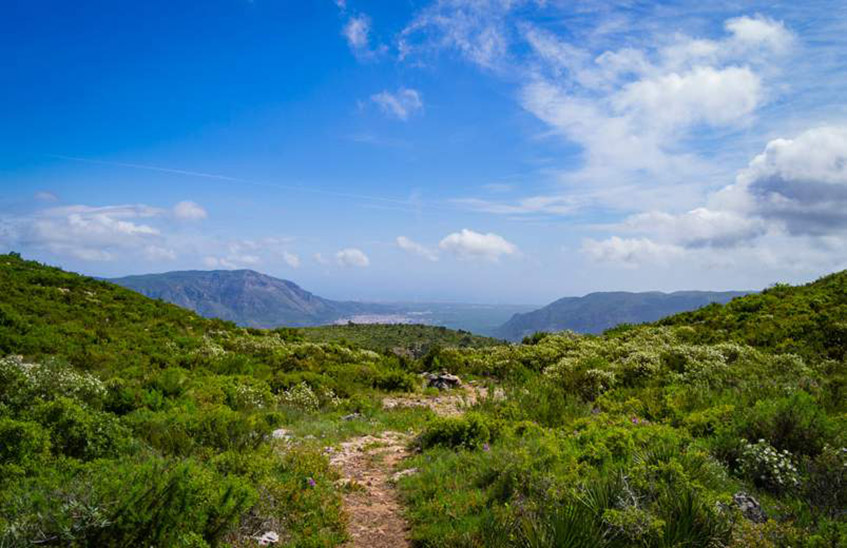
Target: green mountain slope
column 415, row 338
column 596, row 312
column 810, row 320
column 93, row 324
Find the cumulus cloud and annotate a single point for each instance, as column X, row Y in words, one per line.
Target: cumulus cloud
column 468, row 244
column 320, row 259
column 249, row 253
column 791, row 196
column 697, row 228
column 800, row 183
column 759, row 33
column 401, row 104
column 291, row 259
column 415, row 248
column 635, row 112
column 628, row 108
column 352, row 257
column 189, row 211
column 630, row 252
column 88, row 233
column 703, row 95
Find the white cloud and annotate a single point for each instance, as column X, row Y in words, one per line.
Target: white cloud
column 320, row 259
column 357, row 32
column 760, row 33
column 401, row 105
column 410, row 246
column 629, row 108
column 637, row 112
column 703, row 95
column 468, row 244
column 232, row 262
column 88, row 233
column 189, row 211
column 630, row 252
column 352, row 257
column 291, row 259
column 476, row 29
column 790, row 201
column 698, row 227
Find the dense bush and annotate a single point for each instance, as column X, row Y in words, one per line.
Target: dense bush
column 471, row 431
column 81, row 433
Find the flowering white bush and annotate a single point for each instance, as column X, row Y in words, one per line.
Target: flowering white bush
column 248, row 396
column 768, row 467
column 52, row 378
column 301, row 396
column 304, row 397
column 209, row 349
column 640, row 364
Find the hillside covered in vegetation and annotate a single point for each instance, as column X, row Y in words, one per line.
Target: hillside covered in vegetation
column 409, row 339
column 130, row 422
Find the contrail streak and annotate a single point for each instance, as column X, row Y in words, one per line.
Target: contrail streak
column 229, row 179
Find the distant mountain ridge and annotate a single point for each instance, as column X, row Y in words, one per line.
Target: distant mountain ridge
column 245, row 297
column 596, row 312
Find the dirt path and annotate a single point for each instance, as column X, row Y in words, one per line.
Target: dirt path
column 450, row 403
column 367, row 465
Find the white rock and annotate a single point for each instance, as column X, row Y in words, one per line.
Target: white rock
column 271, row 537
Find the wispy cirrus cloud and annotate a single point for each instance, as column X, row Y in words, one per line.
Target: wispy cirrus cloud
column 401, row 104
column 357, row 31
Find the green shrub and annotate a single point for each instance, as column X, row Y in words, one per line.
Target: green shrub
column 826, row 481
column 23, row 446
column 471, row 431
column 125, row 503
column 82, row 433
column 395, row 381
column 795, row 424
column 171, row 382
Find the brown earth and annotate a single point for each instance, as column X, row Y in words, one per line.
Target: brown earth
column 368, row 465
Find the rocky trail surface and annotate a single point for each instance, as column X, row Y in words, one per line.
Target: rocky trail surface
column 369, row 469
column 367, row 465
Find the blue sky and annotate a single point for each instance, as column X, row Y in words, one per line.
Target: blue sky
column 500, row 151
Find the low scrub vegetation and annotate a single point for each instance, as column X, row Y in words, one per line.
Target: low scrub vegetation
column 129, row 422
